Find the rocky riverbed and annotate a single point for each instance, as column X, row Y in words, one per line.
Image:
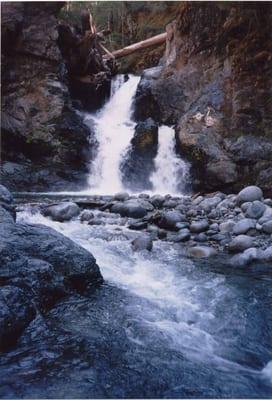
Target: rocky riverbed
column 186, row 285
column 238, row 226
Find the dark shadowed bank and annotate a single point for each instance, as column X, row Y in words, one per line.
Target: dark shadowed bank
column 39, row 266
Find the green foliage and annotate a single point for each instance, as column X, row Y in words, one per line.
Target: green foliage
column 149, row 17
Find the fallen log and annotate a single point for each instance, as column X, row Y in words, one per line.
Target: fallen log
column 153, row 41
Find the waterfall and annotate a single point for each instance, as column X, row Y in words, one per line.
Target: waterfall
column 171, row 172
column 114, row 129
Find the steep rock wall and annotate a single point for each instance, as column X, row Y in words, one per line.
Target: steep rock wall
column 44, row 141
column 215, row 86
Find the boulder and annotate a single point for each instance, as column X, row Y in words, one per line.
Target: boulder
column 182, row 236
column 17, row 311
column 145, row 138
column 86, row 215
column 62, row 212
column 209, row 203
column 169, row 220
column 38, row 267
column 245, row 258
column 138, row 164
column 5, row 195
column 201, row 252
column 201, row 237
column 199, row 226
column 134, row 208
column 122, row 196
column 250, row 193
column 240, row 243
column 244, row 226
column 157, row 200
column 267, row 254
column 226, row 226
column 267, row 227
column 255, row 209
column 143, row 242
column 137, row 226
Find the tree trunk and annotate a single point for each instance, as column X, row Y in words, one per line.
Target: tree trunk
column 153, row 41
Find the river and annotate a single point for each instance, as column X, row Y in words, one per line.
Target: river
column 161, row 325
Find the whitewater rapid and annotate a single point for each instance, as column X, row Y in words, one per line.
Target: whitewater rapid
column 167, row 310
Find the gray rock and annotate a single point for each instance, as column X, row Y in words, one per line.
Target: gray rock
column 267, row 215
column 191, row 213
column 240, row 243
column 208, row 203
column 182, row 225
column 226, row 226
column 86, row 215
column 5, row 195
column 137, row 226
column 250, row 193
column 122, row 196
column 199, row 226
column 182, row 236
column 227, row 203
column 268, row 202
column 214, row 227
column 267, row 254
column 218, row 237
column 201, row 252
column 143, row 242
column 171, row 203
column 144, row 196
column 134, row 208
column 255, row 209
column 201, row 237
column 244, row 226
column 245, row 258
column 267, row 227
column 197, row 200
column 62, row 212
column 96, row 221
column 169, row 220
column 245, row 206
column 157, row 201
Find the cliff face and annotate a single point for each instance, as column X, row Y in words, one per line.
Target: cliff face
column 215, row 86
column 44, row 141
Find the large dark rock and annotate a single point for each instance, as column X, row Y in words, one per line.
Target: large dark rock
column 16, row 312
column 62, row 212
column 138, row 163
column 169, row 220
column 38, row 266
column 215, row 85
column 134, row 208
column 45, row 144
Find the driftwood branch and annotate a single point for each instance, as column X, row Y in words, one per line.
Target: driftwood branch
column 153, row 41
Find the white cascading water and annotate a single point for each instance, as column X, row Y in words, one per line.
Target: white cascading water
column 170, row 170
column 114, row 131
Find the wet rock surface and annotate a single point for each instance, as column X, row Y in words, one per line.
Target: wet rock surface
column 138, row 164
column 45, row 143
column 213, row 55
column 39, row 266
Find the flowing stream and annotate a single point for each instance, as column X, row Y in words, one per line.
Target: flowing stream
column 161, row 326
